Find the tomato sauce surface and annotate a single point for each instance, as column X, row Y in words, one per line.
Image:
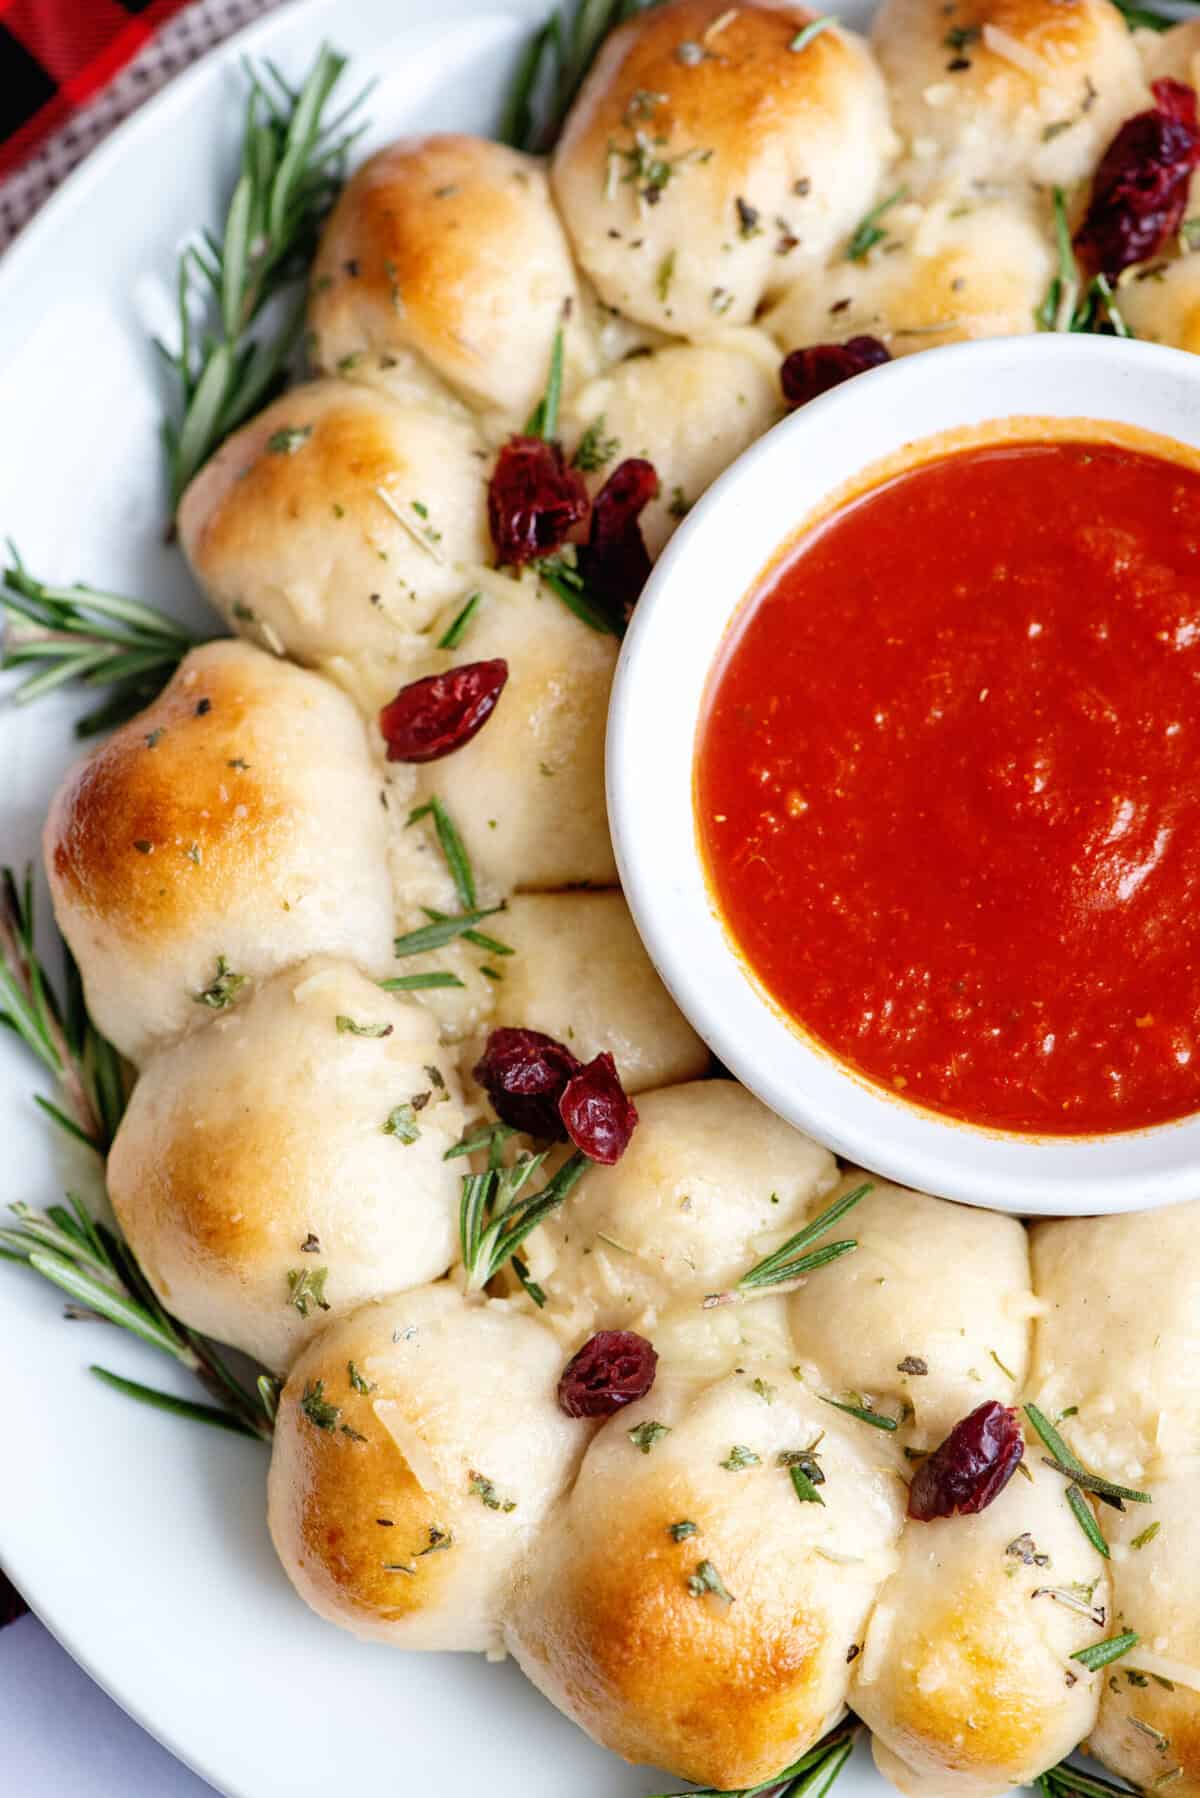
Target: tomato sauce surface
column 948, row 786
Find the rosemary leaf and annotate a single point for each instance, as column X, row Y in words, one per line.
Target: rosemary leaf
column 1100, row 1654
column 418, row 983
column 456, row 630
column 811, row 1776
column 792, row 1259
column 454, row 850
column 182, row 1407
column 553, row 67
column 543, row 420
column 869, row 231
column 862, row 1412
column 442, row 931
column 1086, row 1520
column 814, row 28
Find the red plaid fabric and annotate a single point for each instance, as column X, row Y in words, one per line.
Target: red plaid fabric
column 55, row 55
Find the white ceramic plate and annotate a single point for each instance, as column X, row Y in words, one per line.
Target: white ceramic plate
column 140, row 1539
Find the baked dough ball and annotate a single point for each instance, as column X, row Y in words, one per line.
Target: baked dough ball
column 233, row 827
column 965, row 1676
column 726, row 1678
column 335, row 525
column 418, row 1448
column 690, row 410
column 932, row 1308
column 450, row 246
column 1161, row 302
column 710, row 1183
column 704, row 157
column 954, row 269
column 286, row 1163
column 988, row 90
column 1149, row 1722
column 1119, row 1337
column 579, row 973
column 527, row 794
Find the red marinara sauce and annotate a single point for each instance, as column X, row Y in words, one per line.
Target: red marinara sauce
column 948, row 785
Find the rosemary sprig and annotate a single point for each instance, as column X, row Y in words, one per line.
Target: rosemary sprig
column 292, row 164
column 494, row 1219
column 1069, row 303
column 64, row 1244
column 79, row 633
column 89, row 1073
column 796, row 1257
column 1063, row 1459
column 443, row 930
column 868, row 232
column 96, row 1270
column 553, row 67
column 809, row 1777
column 1068, row 1781
column 563, row 577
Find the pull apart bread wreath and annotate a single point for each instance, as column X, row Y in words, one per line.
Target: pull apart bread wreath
column 345, row 896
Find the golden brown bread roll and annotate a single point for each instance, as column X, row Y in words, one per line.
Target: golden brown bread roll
column 1119, row 1350
column 992, row 90
column 965, row 1676
column 690, row 409
column 710, row 1183
column 449, row 246
column 705, row 157
column 1149, row 1725
column 963, row 265
column 418, row 1449
column 723, row 1651
column 579, row 972
column 932, row 1308
column 336, row 524
column 233, row 827
column 284, row 1164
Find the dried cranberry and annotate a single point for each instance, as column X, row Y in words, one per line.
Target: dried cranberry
column 525, row 1074
column 612, row 1369
column 597, row 1111
column 615, row 562
column 1140, row 189
column 431, row 717
column 806, row 373
column 534, row 500
column 971, row 1467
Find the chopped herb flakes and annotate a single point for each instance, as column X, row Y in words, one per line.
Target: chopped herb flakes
column 665, row 276
column 401, row 1122
column 679, row 1532
column 706, row 1579
column 1146, row 1536
column 484, row 1490
column 288, row 440
column 347, row 1027
column 358, row 1380
column 594, row 450
column 306, row 1288
column 1023, row 1548
column 805, row 1473
column 646, row 1435
column 912, row 1364
column 224, row 988
column 738, row 1457
column 317, row 1408
column 764, row 1390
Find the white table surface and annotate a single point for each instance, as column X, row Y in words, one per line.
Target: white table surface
column 62, row 1734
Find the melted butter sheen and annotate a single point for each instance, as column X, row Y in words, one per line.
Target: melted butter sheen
column 948, row 786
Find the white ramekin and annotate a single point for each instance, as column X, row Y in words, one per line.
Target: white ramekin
column 696, row 587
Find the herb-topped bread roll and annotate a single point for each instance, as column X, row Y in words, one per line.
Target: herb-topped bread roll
column 989, row 90
column 335, row 525
column 689, row 409
column 284, row 1164
column 233, row 827
column 1149, row 1725
column 418, row 1450
column 932, row 1308
column 965, row 1677
column 449, row 246
column 579, row 973
column 962, row 265
column 685, row 1606
column 711, row 1182
column 1116, row 1342
column 527, row 793
column 713, row 148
